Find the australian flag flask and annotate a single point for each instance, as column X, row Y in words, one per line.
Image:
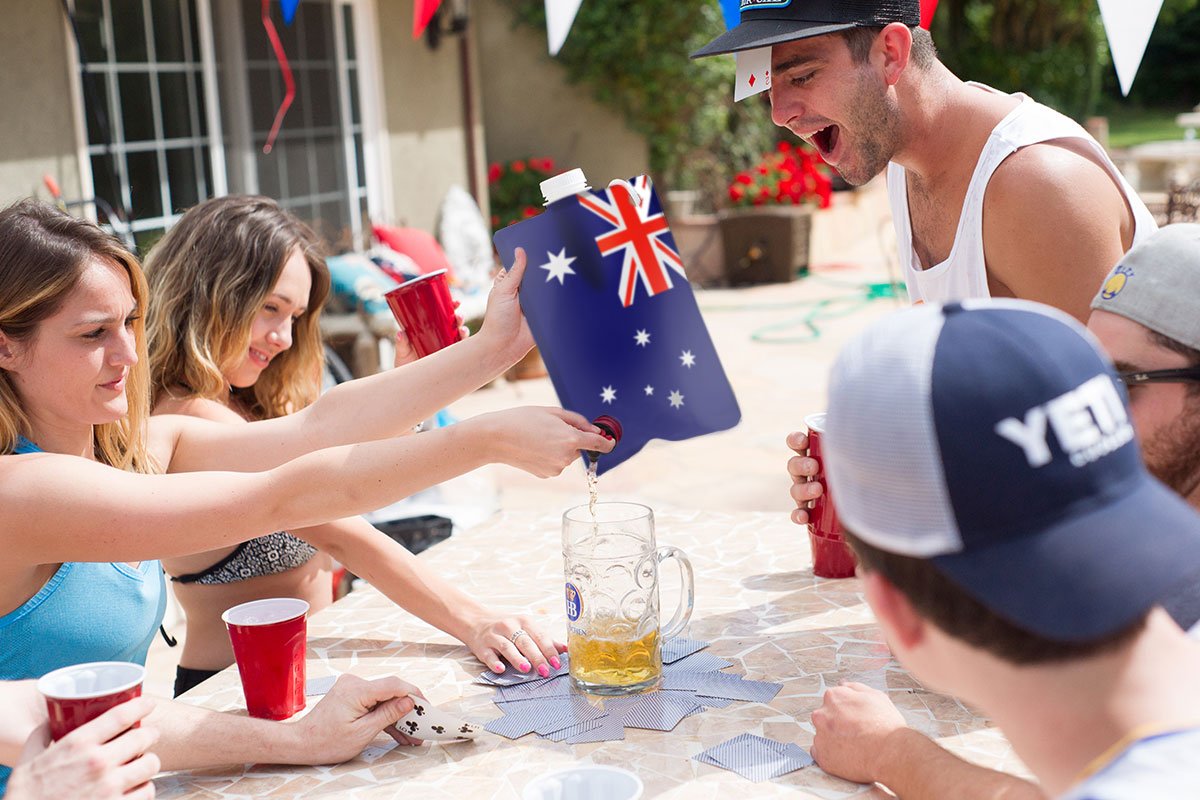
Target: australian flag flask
column 614, row 316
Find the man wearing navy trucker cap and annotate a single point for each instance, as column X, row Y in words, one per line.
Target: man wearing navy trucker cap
column 1014, row 550
column 981, row 184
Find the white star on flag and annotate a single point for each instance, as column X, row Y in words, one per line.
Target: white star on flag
column 687, row 358
column 675, row 399
column 559, row 266
column 649, row 390
column 642, row 338
column 609, row 394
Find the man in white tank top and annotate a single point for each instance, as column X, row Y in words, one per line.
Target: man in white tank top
column 991, row 194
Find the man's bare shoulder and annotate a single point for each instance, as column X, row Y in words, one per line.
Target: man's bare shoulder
column 1054, row 223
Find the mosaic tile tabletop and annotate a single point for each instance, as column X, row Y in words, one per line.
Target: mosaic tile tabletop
column 757, row 602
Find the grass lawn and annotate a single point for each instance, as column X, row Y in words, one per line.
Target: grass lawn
column 1130, row 126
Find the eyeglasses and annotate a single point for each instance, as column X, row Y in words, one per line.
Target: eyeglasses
column 1136, row 378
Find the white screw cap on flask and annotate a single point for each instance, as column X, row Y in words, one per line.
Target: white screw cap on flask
column 564, row 184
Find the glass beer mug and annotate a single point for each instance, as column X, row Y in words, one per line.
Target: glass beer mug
column 613, row 631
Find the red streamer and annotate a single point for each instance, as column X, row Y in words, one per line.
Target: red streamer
column 927, row 9
column 288, row 81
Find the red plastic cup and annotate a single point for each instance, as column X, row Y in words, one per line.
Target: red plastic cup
column 269, row 639
column 80, row 693
column 425, row 310
column 832, row 557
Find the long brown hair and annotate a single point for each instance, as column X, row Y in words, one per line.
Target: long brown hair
column 43, row 252
column 209, row 276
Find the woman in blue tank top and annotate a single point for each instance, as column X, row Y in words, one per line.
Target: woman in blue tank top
column 236, row 291
column 86, row 477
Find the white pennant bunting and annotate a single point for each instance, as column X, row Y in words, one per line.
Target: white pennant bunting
column 559, row 16
column 1128, row 24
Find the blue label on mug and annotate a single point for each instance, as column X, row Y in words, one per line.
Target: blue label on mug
column 574, row 603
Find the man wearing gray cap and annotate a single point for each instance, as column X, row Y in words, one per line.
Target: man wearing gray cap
column 982, row 184
column 1147, row 317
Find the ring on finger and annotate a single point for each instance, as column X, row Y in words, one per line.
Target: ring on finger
column 518, row 633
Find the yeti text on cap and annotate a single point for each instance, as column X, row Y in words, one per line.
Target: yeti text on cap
column 1089, row 422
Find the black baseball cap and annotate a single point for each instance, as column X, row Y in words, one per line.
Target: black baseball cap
column 769, row 22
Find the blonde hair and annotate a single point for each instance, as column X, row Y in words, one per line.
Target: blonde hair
column 209, row 276
column 43, row 252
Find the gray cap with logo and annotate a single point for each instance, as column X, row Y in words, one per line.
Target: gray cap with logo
column 1157, row 284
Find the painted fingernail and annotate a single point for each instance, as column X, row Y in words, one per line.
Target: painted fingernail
column 524, row 666
column 543, row 670
column 497, row 668
column 555, row 662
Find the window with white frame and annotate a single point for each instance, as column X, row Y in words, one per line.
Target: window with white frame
column 145, row 79
column 315, row 167
column 146, row 71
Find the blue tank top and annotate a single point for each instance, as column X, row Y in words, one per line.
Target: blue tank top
column 85, row 612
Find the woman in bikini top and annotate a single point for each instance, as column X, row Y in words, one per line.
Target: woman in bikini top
column 236, row 290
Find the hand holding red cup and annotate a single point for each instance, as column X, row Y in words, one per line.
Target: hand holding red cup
column 79, row 693
column 425, row 310
column 832, row 557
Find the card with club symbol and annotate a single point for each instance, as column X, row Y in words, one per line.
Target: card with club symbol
column 427, row 721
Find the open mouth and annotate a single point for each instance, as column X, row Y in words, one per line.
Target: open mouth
column 259, row 357
column 826, row 140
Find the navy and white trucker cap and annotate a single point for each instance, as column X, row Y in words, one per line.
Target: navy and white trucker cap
column 763, row 23
column 992, row 438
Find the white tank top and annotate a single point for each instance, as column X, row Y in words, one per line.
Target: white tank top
column 963, row 274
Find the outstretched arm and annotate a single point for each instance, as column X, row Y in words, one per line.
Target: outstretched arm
column 411, row 584
column 375, row 407
column 344, row 722
column 56, row 508
column 860, row 736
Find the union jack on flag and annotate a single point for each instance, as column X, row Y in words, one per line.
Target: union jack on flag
column 639, row 233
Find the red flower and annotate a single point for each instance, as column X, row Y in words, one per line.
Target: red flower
column 788, row 174
column 495, row 220
column 517, row 166
column 529, row 211
column 494, row 172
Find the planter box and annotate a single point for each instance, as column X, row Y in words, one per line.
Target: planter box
column 766, row 244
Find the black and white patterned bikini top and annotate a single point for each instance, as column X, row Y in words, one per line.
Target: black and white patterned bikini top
column 266, row 555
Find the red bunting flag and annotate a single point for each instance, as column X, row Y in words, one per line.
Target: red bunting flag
column 927, row 9
column 423, row 11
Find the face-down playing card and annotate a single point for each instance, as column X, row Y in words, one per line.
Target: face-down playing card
column 756, row 758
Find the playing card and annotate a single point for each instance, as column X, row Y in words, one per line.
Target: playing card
column 318, row 686
column 511, row 677
column 660, row 711
column 427, row 721
column 609, row 729
column 756, row 758
column 574, row 730
column 697, row 662
column 554, row 687
column 510, row 727
column 753, row 72
column 558, row 713
column 677, row 648
column 702, row 701
column 734, row 687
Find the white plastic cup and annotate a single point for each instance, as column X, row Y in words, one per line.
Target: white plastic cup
column 590, row 782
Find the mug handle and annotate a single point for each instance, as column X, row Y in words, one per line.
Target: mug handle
column 687, row 595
